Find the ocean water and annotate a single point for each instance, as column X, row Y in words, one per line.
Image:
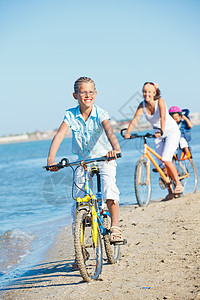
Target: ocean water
column 36, row 204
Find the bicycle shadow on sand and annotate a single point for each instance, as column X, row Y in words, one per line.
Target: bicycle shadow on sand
column 46, row 275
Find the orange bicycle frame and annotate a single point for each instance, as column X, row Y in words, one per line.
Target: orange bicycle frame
column 148, row 151
column 147, row 154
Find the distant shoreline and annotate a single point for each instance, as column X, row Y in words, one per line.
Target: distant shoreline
column 23, row 138
column 48, row 135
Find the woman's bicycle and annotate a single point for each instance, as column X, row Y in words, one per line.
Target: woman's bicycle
column 92, row 223
column 186, row 168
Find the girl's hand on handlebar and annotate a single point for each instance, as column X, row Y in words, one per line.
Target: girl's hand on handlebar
column 53, row 168
column 112, row 153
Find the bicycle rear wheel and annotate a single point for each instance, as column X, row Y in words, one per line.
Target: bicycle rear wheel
column 190, row 183
column 112, row 251
column 142, row 188
column 89, row 258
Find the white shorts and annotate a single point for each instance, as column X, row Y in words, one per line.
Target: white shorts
column 166, row 146
column 183, row 142
column 109, row 188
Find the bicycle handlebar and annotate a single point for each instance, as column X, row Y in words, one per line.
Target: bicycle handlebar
column 65, row 162
column 135, row 135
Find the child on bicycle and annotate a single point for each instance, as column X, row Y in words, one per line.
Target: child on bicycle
column 182, row 119
column 92, row 136
column 166, row 131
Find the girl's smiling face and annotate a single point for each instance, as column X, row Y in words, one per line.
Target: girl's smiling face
column 86, row 95
column 149, row 92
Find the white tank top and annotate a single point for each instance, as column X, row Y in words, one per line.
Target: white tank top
column 170, row 123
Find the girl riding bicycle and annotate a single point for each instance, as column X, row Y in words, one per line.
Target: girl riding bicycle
column 166, row 131
column 92, row 136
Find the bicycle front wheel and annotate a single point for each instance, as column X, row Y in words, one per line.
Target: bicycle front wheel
column 190, row 183
column 142, row 187
column 89, row 258
column 112, row 250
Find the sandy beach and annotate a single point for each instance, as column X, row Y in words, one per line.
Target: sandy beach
column 161, row 259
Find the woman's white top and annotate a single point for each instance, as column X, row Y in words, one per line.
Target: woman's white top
column 155, row 119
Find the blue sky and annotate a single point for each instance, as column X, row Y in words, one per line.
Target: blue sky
column 46, row 45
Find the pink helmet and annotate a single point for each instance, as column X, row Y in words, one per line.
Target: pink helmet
column 175, row 109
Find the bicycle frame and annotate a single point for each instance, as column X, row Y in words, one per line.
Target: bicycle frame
column 147, row 154
column 88, row 202
column 179, row 161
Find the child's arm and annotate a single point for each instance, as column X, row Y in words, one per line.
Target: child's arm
column 189, row 123
column 57, row 140
column 135, row 119
column 112, row 139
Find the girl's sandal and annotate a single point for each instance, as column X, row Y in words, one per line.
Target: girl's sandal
column 179, row 189
column 116, row 237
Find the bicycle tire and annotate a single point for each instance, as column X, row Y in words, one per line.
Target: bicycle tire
column 191, row 183
column 89, row 258
column 112, row 251
column 142, row 190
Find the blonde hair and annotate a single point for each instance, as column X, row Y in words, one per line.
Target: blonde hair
column 79, row 81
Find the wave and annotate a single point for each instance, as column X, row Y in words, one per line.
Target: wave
column 14, row 247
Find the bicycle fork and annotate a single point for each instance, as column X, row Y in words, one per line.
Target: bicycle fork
column 86, row 202
column 94, row 226
column 147, row 179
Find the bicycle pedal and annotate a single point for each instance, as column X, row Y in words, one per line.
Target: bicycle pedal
column 124, row 242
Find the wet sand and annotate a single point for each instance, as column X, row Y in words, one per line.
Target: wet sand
column 160, row 261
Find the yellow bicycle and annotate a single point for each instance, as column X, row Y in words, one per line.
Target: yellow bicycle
column 92, row 224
